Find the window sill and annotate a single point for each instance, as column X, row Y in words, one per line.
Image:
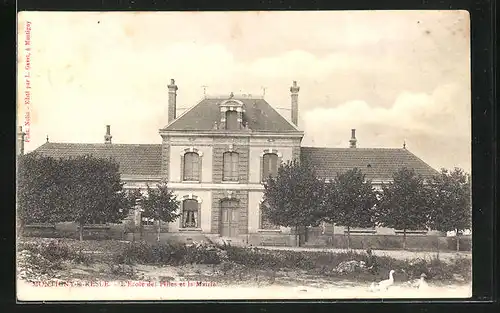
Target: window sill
column 262, row 230
column 190, row 229
column 230, row 182
column 191, row 181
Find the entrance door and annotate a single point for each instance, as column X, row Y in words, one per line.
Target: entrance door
column 229, row 218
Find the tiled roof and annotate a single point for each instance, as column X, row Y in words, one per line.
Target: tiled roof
column 376, row 164
column 145, row 159
column 259, row 115
column 134, row 159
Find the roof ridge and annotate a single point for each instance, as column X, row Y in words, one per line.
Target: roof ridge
column 354, row 149
column 99, row 143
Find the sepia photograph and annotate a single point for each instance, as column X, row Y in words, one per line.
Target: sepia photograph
column 253, row 155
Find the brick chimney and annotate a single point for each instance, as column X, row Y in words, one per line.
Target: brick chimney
column 20, row 141
column 172, row 99
column 107, row 137
column 352, row 142
column 295, row 102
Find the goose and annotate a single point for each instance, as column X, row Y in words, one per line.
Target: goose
column 418, row 283
column 422, row 284
column 385, row 284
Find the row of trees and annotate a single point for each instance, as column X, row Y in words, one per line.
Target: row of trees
column 88, row 190
column 297, row 197
column 84, row 190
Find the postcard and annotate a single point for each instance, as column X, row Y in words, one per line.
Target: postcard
column 243, row 155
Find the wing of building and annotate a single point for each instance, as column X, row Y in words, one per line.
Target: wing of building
column 216, row 154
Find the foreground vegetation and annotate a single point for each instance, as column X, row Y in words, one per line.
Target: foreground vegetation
column 48, row 259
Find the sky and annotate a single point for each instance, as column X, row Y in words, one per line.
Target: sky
column 394, row 76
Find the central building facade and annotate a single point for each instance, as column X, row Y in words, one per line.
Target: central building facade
column 215, row 157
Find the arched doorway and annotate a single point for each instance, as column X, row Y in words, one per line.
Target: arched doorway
column 230, row 218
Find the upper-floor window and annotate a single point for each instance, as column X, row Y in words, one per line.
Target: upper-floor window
column 269, row 165
column 191, row 166
column 231, row 166
column 232, row 120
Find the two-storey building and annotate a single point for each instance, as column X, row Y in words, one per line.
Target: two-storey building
column 216, row 154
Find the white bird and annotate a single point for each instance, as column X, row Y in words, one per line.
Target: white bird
column 422, row 284
column 385, row 284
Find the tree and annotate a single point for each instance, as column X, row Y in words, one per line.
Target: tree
column 404, row 203
column 161, row 204
column 351, row 201
column 82, row 189
column 294, row 197
column 330, row 211
column 37, row 193
column 93, row 191
column 451, row 202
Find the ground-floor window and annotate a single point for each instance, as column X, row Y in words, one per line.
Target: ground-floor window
column 265, row 223
column 190, row 213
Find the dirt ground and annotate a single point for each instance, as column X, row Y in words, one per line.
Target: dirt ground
column 102, row 280
column 98, row 282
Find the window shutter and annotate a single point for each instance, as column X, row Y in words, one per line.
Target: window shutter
column 265, row 167
column 200, row 168
column 198, row 220
column 236, row 166
column 225, row 165
column 182, row 167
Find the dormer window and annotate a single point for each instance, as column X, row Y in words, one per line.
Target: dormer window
column 231, row 117
column 232, row 122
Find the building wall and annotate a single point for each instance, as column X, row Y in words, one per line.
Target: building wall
column 254, row 199
column 227, row 144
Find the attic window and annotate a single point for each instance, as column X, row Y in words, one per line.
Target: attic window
column 232, row 122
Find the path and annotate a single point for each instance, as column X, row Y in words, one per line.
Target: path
column 396, row 254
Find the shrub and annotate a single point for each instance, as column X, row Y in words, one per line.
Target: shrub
column 171, row 253
column 82, row 258
column 122, row 270
column 202, row 253
column 53, row 251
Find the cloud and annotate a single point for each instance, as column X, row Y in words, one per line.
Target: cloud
column 354, row 72
column 421, row 119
